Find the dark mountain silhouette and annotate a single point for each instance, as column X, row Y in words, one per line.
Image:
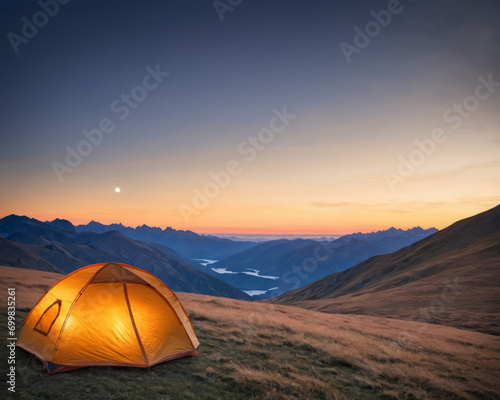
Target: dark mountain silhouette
column 293, row 268
column 27, row 230
column 302, row 261
column 295, row 263
column 17, row 255
column 451, row 277
column 172, row 253
column 265, row 255
column 62, row 225
column 46, row 246
column 394, row 239
column 187, row 243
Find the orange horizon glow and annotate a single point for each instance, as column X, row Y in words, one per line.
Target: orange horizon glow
column 339, row 187
column 438, row 219
column 236, row 230
column 255, row 132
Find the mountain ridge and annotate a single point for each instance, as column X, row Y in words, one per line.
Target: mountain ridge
column 17, row 255
column 464, row 255
column 187, row 242
column 298, row 262
column 67, row 251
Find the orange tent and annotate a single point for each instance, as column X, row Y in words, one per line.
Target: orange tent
column 107, row 314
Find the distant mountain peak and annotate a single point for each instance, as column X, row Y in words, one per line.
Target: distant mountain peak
column 187, row 243
column 95, row 223
column 63, row 225
column 57, row 246
column 407, row 280
column 393, row 238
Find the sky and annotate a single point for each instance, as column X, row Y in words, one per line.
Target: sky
column 260, row 117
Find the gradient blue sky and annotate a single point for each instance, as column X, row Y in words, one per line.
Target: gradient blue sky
column 325, row 173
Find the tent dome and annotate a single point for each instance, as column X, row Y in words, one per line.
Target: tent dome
column 107, row 314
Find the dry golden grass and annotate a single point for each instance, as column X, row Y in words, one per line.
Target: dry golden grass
column 450, row 278
column 475, row 307
column 388, row 356
column 255, row 350
column 30, row 284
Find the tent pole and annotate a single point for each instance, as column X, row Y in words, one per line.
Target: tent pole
column 29, row 359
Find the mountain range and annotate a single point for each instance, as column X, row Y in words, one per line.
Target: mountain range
column 394, row 239
column 403, row 342
column 188, row 243
column 261, row 269
column 290, row 264
column 55, row 246
column 17, row 255
column 450, row 278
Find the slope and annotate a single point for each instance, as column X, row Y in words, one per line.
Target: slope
column 394, row 239
column 16, row 255
column 188, row 243
column 67, row 251
column 264, row 255
column 252, row 350
column 293, row 263
column 449, row 278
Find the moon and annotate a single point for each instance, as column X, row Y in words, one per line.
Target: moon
column 117, row 190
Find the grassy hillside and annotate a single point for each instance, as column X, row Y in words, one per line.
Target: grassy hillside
column 16, row 254
column 264, row 351
column 450, row 278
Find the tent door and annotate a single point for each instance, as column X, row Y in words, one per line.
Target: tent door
column 49, row 316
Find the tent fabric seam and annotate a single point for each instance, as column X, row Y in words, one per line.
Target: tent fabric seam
column 71, row 309
column 144, row 355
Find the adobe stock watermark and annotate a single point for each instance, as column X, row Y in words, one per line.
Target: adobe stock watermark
column 249, row 149
column 363, row 37
column 298, row 274
column 437, row 306
column 455, row 115
column 223, row 6
column 404, row 341
column 122, row 106
column 11, row 339
column 31, row 26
